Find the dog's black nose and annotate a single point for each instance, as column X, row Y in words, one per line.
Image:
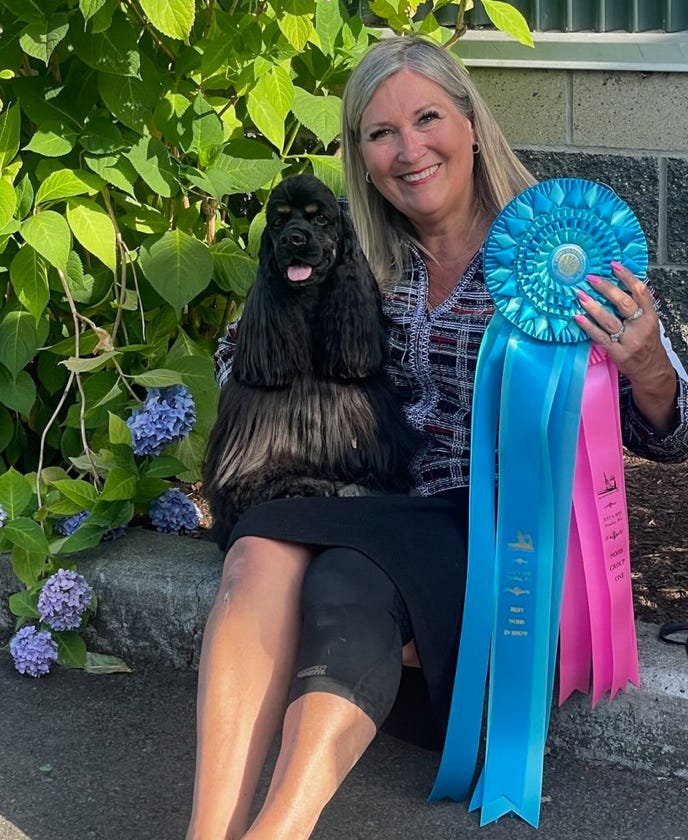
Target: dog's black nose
column 293, row 237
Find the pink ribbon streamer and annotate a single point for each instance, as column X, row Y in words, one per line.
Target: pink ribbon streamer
column 597, row 630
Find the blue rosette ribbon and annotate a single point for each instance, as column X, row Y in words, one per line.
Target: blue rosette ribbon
column 526, row 411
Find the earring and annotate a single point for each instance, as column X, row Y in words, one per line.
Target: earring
column 368, row 178
column 476, row 148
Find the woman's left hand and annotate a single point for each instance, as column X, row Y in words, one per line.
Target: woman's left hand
column 631, row 337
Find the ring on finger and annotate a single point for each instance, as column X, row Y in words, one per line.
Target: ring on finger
column 616, row 336
column 637, row 314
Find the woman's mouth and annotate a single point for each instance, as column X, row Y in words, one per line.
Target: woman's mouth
column 424, row 174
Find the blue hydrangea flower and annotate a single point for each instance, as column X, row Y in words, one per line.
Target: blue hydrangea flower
column 63, row 599
column 167, row 415
column 3, row 516
column 69, row 524
column 33, row 651
column 114, row 533
column 173, row 512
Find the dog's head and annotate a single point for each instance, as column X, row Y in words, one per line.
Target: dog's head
column 303, row 230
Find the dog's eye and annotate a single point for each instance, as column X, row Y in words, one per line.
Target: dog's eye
column 278, row 222
column 321, row 219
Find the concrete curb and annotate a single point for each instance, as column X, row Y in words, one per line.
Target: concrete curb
column 155, row 592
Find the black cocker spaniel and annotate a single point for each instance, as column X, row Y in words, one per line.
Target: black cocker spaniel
column 308, row 409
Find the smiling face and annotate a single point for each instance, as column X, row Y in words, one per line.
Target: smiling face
column 417, row 147
column 303, row 225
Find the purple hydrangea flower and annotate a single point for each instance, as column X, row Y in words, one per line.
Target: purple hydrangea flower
column 63, row 599
column 114, row 533
column 3, row 516
column 167, row 415
column 33, row 651
column 173, row 512
column 69, row 524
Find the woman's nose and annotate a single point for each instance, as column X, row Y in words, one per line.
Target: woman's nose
column 410, row 148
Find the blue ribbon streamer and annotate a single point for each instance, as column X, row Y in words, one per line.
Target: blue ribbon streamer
column 527, row 398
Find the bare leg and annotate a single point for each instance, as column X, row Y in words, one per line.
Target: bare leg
column 324, row 736
column 246, row 666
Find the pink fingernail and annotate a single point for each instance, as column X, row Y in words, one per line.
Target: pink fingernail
column 583, row 296
column 580, row 319
column 616, row 265
column 593, row 278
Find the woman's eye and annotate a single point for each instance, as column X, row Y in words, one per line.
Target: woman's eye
column 429, row 116
column 379, row 133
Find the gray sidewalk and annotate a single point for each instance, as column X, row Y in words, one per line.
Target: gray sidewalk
column 155, row 592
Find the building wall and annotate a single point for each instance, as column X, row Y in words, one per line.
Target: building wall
column 626, row 129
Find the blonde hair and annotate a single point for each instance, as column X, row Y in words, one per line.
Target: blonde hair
column 498, row 175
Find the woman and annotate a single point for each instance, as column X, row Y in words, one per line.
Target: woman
column 322, row 599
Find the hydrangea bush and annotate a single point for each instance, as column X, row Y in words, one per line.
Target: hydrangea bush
column 130, row 217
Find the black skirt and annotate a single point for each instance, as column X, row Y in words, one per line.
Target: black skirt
column 420, row 542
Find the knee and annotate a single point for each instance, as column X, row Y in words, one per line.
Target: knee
column 255, row 563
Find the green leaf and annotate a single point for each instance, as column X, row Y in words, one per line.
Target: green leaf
column 243, row 175
column 115, row 170
column 79, row 365
column 191, row 451
column 28, row 566
column 71, row 649
column 48, row 233
column 151, row 160
column 297, row 29
column 101, row 137
column 119, row 484
column 235, row 270
column 177, row 266
column 66, row 183
column 321, row 114
column 328, row 23
column 103, row 663
column 40, row 39
column 149, row 488
column 8, row 202
column 15, row 493
column 507, row 18
column 159, row 378
column 118, row 431
column 78, row 491
column 94, row 229
column 50, row 140
column 89, row 8
column 28, row 10
column 18, row 340
column 29, row 276
column 24, row 604
column 171, row 17
column 164, row 466
column 18, row 394
column 114, row 51
column 206, row 134
column 10, row 125
column 269, row 102
column 330, row 170
column 27, row 534
column 130, row 100
column 24, row 190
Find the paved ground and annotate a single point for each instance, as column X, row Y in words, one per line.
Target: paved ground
column 111, row 757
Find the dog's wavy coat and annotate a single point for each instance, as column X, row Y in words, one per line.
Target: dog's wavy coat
column 308, row 409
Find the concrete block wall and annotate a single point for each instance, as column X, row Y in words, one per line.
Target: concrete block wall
column 626, row 129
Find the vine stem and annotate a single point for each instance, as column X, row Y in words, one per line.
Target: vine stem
column 460, row 25
column 79, row 383
column 48, row 426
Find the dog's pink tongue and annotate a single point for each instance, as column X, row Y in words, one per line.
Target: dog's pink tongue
column 299, row 272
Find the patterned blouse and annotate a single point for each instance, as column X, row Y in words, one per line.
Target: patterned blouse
column 433, row 358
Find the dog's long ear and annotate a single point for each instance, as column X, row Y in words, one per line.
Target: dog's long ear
column 353, row 342
column 271, row 345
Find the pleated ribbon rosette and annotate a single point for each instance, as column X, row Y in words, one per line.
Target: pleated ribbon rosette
column 548, row 559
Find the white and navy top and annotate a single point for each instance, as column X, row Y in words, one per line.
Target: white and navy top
column 433, row 355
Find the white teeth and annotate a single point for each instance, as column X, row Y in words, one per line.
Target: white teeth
column 418, row 176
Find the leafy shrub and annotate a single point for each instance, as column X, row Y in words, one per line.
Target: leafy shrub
column 138, row 141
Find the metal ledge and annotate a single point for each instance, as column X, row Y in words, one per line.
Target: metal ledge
column 647, row 52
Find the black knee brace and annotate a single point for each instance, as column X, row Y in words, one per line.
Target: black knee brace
column 354, row 625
